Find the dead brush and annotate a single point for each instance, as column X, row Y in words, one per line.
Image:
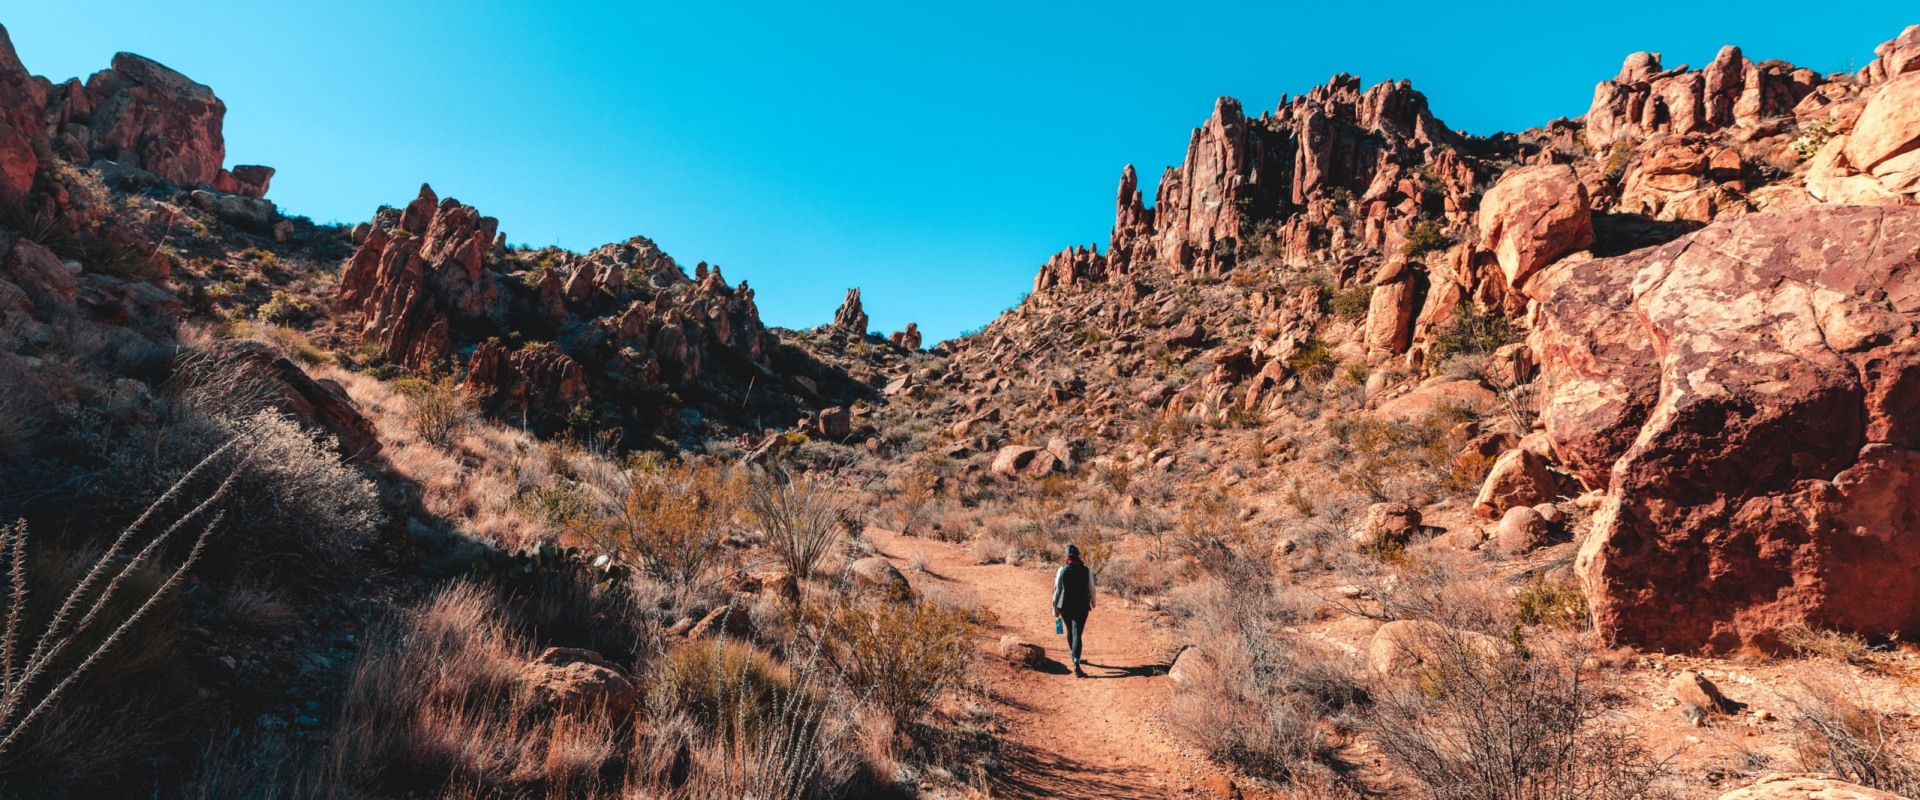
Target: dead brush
column 1839, row 728
column 1524, row 721
column 802, row 518
column 901, row 657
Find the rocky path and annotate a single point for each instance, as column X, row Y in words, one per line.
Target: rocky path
column 1103, row 736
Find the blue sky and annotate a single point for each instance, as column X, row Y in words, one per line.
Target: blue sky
column 932, row 154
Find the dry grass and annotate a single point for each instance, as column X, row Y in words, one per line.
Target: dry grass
column 900, row 657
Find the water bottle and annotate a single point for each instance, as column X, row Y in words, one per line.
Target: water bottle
column 1059, row 627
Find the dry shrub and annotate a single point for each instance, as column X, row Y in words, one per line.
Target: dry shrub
column 1824, row 643
column 93, row 689
column 670, row 520
column 900, row 657
column 1557, row 603
column 1839, row 728
column 1212, row 537
column 1521, row 722
column 439, row 409
column 1261, row 695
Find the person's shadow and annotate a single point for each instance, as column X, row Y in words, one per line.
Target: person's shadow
column 1146, row 671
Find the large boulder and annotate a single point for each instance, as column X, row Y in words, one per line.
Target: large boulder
column 321, row 402
column 1026, row 461
column 146, row 114
column 1518, row 478
column 1807, row 786
column 1533, row 217
column 570, row 680
column 877, row 574
column 1749, row 395
column 1885, row 141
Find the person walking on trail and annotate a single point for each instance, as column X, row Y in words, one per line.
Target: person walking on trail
column 1072, row 599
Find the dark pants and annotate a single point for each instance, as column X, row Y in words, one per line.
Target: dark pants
column 1076, row 627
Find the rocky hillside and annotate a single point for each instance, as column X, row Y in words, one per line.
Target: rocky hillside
column 1693, row 290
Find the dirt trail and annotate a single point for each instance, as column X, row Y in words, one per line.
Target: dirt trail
column 1103, row 736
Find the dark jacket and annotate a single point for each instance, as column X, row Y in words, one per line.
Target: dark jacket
column 1073, row 590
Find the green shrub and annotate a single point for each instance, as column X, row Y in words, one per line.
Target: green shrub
column 284, row 309
column 1352, row 303
column 1426, row 236
column 1473, row 331
column 1618, row 157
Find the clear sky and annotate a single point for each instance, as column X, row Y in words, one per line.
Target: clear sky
column 933, row 154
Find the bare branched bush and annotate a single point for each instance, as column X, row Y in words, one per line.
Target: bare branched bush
column 802, row 518
column 1838, row 728
column 1524, row 722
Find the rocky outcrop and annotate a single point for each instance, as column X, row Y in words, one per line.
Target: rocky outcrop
column 144, row 114
column 1747, row 396
column 1645, row 99
column 416, row 272
column 851, row 318
column 294, row 392
column 571, row 680
column 1893, row 58
column 1807, row 786
column 1533, row 217
column 529, row 382
column 908, row 339
column 1334, row 158
column 21, row 98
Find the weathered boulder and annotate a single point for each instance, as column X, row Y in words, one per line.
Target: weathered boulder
column 1749, row 395
column 1519, row 477
column 877, row 574
column 145, row 114
column 727, row 620
column 323, row 403
column 834, row 424
column 1386, row 522
column 1021, row 653
column 1521, row 529
column 571, row 680
column 908, row 339
column 1697, row 697
column 1025, row 461
column 1806, row 786
column 35, row 269
column 530, row 383
column 1404, row 649
column 1533, row 217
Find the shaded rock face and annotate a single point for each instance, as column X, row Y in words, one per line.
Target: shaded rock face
column 1645, row 99
column 142, row 113
column 323, row 403
column 1749, row 397
column 21, row 97
column 908, row 339
column 622, row 322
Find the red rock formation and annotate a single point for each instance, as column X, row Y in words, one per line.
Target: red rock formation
column 1894, row 58
column 144, row 114
column 1071, row 267
column 850, row 318
column 527, row 383
column 1731, row 92
column 1747, row 396
column 21, row 97
column 1534, row 216
column 323, row 403
column 908, row 339
column 415, row 270
column 1372, row 155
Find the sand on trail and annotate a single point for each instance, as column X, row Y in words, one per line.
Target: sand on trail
column 1103, row 736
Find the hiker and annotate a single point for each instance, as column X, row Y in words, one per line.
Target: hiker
column 1072, row 599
